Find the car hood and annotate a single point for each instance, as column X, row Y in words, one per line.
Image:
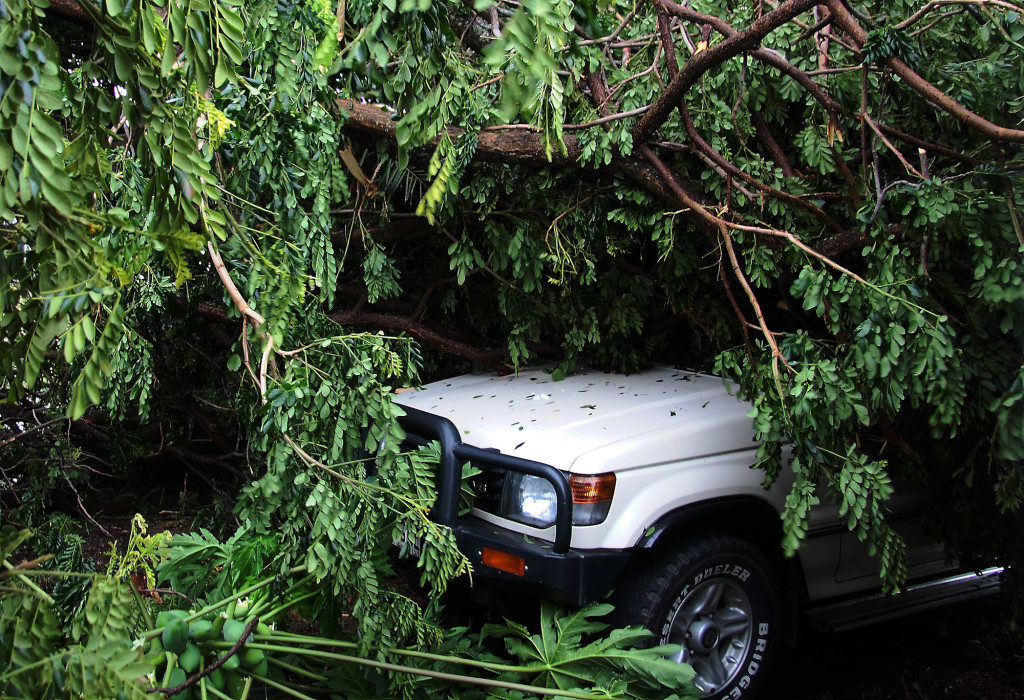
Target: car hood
column 592, row 421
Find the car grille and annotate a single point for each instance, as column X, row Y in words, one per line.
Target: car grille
column 487, row 487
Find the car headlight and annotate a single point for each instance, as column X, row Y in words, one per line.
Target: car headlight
column 531, row 500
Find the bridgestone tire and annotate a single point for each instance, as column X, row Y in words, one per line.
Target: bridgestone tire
column 717, row 598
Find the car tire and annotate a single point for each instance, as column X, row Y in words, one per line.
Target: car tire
column 717, row 598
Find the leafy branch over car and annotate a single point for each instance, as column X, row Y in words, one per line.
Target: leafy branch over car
column 816, row 200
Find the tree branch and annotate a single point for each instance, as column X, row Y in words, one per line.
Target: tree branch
column 701, row 62
column 704, row 147
column 510, row 146
column 665, row 34
column 492, row 359
column 848, row 23
column 70, row 10
column 771, row 146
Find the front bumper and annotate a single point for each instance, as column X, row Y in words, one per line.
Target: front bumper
column 578, row 576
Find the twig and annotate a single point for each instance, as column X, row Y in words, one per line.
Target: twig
column 33, row 429
column 17, row 571
column 264, row 361
column 938, row 19
column 863, row 125
column 618, row 30
column 821, row 40
column 487, row 82
column 494, row 359
column 167, row 591
column 744, row 323
column 832, row 71
column 212, row 405
column 512, row 127
column 236, row 296
column 1011, row 203
column 575, row 206
column 742, row 279
column 645, row 72
column 249, row 316
column 610, row 118
column 815, row 28
column 887, row 142
column 928, row 7
column 795, row 240
column 81, row 506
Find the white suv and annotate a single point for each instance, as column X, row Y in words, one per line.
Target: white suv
column 642, row 485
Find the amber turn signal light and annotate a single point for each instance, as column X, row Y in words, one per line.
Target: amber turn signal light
column 592, row 489
column 503, row 561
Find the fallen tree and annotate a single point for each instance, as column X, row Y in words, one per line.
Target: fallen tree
column 200, row 206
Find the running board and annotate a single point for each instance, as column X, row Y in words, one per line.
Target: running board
column 850, row 614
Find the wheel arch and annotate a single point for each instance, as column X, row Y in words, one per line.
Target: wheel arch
column 745, row 518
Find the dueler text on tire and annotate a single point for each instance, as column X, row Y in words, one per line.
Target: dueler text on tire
column 716, row 597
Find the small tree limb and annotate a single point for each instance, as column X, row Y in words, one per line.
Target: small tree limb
column 701, row 62
column 848, row 23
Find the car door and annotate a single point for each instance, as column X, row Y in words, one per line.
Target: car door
column 858, row 570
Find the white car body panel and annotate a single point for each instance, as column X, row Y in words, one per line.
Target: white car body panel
column 672, row 437
column 572, row 424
